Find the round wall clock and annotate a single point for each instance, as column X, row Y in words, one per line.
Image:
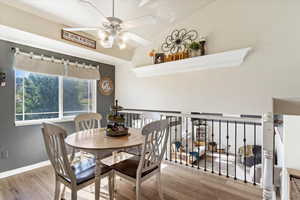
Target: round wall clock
column 106, row 86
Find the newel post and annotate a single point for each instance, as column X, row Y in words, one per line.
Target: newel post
column 267, row 136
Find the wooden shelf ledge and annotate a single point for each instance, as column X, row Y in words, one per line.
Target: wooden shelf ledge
column 231, row 58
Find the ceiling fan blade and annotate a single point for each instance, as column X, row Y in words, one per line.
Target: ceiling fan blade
column 145, row 20
column 82, row 29
column 144, row 2
column 136, row 38
column 103, row 17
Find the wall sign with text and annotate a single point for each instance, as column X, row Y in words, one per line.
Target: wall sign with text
column 106, row 86
column 79, row 39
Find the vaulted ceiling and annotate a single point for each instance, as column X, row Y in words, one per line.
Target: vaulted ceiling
column 76, row 13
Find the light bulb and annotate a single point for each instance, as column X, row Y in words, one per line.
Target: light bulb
column 106, row 43
column 122, row 45
column 102, row 34
column 111, row 38
column 123, row 36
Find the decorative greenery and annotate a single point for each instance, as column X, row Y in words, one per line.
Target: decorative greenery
column 194, row 46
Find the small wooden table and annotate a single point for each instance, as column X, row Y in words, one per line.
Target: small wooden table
column 96, row 142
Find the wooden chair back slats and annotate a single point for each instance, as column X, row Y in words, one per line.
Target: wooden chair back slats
column 55, row 146
column 156, row 137
column 87, row 121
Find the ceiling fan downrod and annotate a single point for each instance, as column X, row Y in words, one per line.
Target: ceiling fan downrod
column 113, row 8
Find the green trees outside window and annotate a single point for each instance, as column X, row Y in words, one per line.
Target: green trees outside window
column 38, row 96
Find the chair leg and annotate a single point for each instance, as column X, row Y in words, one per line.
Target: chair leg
column 115, row 182
column 138, row 190
column 63, row 193
column 111, row 186
column 160, row 192
column 57, row 190
column 98, row 177
column 74, row 194
column 97, row 188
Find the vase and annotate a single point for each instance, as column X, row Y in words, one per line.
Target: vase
column 195, row 53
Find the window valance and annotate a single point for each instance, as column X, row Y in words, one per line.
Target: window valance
column 50, row 65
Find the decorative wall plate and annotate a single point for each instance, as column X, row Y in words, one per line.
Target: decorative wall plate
column 178, row 40
column 106, row 86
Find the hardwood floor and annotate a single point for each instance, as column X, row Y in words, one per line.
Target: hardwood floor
column 178, row 184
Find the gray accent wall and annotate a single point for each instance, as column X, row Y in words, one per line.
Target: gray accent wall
column 25, row 144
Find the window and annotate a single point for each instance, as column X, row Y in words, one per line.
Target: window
column 40, row 97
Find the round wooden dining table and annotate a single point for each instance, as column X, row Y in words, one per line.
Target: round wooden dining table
column 96, row 142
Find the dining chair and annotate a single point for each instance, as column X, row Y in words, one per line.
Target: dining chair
column 140, row 168
column 147, row 117
column 88, row 121
column 74, row 176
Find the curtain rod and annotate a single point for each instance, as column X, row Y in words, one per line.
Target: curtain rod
column 53, row 59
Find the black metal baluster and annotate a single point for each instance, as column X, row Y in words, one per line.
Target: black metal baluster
column 181, row 130
column 170, row 133
column 245, row 148
column 273, row 154
column 254, row 182
column 186, row 142
column 198, row 132
column 220, row 136
column 235, row 148
column 227, row 149
column 192, row 153
column 133, row 120
column 176, row 119
column 130, row 121
column 212, row 146
column 205, row 145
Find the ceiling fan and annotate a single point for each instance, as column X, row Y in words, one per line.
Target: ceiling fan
column 114, row 30
column 144, row 2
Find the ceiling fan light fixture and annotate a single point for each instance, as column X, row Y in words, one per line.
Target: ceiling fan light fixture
column 114, row 31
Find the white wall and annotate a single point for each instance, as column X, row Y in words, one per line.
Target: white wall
column 271, row 70
column 291, row 138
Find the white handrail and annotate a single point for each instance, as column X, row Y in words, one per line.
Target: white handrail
column 204, row 116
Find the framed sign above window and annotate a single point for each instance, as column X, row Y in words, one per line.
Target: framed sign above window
column 79, row 39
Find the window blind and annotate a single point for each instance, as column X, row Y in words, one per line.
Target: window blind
column 51, row 66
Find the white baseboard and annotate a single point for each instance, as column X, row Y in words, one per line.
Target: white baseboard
column 28, row 168
column 24, row 169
